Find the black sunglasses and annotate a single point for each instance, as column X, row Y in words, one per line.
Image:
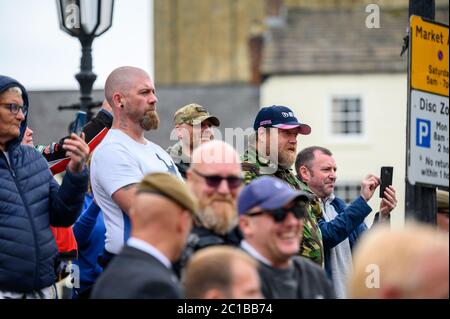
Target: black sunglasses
column 280, row 214
column 15, row 108
column 214, row 181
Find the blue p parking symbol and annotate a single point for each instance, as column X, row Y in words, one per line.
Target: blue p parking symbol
column 423, row 133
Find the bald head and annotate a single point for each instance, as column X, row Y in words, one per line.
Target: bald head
column 160, row 222
column 152, row 209
column 121, row 80
column 221, row 272
column 215, row 152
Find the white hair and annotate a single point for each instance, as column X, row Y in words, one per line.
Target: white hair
column 14, row 89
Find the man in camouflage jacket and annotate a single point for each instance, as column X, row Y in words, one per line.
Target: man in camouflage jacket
column 193, row 125
column 272, row 153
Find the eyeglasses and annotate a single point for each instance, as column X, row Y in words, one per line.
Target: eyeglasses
column 280, row 214
column 214, row 181
column 15, row 108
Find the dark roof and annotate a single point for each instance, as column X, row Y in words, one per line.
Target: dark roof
column 234, row 105
column 337, row 42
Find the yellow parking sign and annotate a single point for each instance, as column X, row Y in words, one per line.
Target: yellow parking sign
column 429, row 56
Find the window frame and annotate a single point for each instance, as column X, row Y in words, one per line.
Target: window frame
column 342, row 137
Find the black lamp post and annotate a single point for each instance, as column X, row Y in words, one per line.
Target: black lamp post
column 86, row 20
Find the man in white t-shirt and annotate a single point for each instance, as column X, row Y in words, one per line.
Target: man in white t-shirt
column 125, row 156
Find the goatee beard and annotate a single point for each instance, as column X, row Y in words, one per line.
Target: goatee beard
column 150, row 121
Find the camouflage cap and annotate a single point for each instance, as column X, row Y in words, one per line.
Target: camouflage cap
column 170, row 187
column 194, row 114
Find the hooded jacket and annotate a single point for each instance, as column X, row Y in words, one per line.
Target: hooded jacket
column 31, row 201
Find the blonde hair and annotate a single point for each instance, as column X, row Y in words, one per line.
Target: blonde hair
column 397, row 257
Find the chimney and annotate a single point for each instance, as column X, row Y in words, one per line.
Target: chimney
column 256, row 43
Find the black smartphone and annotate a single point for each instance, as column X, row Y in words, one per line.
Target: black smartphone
column 386, row 178
column 79, row 123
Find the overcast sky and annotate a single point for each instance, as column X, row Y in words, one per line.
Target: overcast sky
column 35, row 51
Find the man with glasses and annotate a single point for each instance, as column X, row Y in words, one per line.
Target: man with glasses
column 272, row 216
column 193, row 126
column 215, row 177
column 31, row 201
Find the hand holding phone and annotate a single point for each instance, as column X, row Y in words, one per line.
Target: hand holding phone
column 75, row 146
column 386, row 178
column 80, row 122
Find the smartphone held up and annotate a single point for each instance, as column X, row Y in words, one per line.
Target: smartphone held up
column 79, row 123
column 386, row 174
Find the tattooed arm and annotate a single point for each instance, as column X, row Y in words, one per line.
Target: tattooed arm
column 124, row 197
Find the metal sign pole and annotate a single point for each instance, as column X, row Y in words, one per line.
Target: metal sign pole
column 420, row 199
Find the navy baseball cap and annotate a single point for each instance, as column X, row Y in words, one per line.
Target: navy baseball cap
column 280, row 117
column 269, row 193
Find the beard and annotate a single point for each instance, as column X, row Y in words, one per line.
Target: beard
column 150, row 121
column 218, row 213
column 283, row 156
column 286, row 157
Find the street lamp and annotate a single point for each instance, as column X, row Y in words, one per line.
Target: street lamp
column 85, row 20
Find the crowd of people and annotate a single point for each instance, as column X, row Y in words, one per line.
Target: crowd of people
column 198, row 220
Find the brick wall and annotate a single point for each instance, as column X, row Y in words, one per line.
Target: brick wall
column 204, row 41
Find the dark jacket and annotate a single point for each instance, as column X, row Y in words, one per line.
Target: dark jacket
column 55, row 152
column 134, row 274
column 201, row 237
column 94, row 132
column 349, row 223
column 307, row 278
column 89, row 231
column 94, row 127
column 31, row 201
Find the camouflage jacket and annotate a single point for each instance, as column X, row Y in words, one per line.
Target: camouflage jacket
column 181, row 161
column 311, row 246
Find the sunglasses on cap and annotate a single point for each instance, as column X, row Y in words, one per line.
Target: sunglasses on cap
column 280, row 214
column 214, row 181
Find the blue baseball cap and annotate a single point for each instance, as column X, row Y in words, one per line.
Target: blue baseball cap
column 280, row 117
column 269, row 193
